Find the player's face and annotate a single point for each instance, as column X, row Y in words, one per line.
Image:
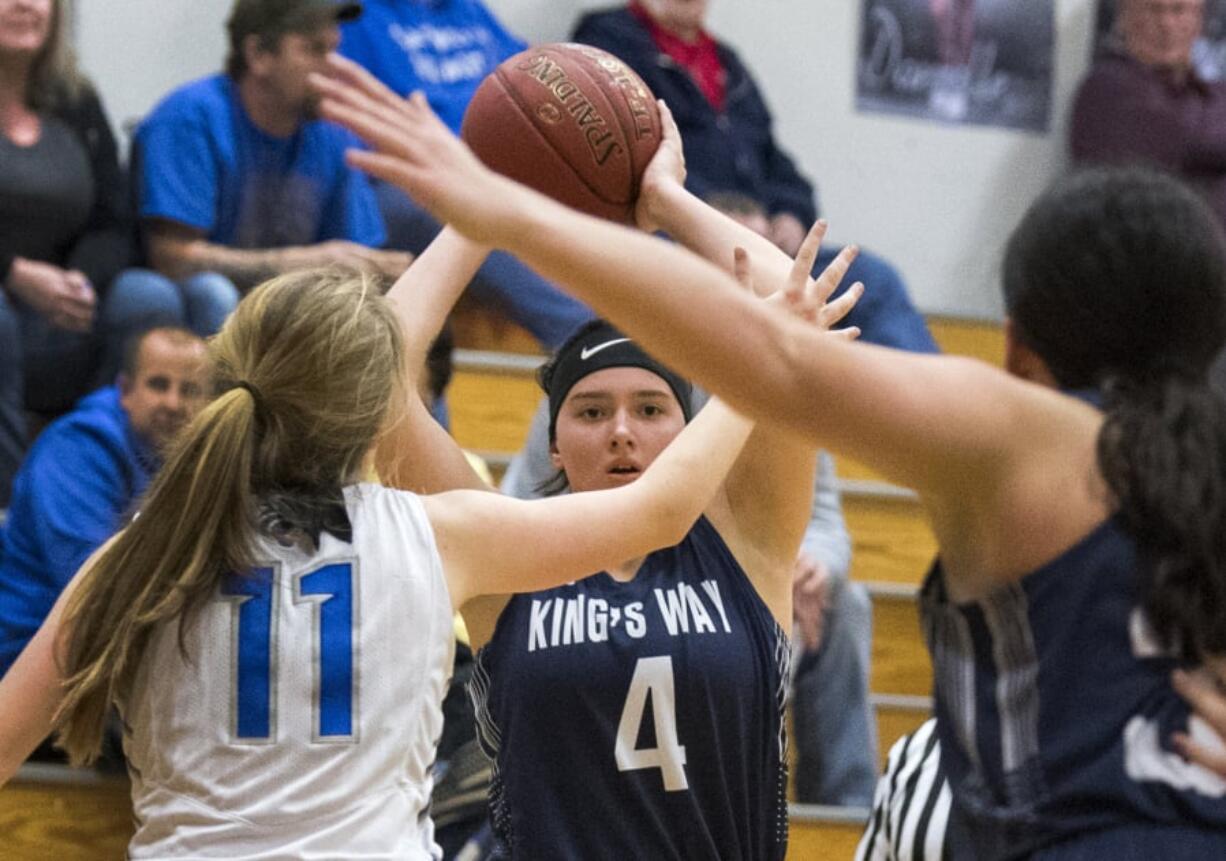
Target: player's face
column 167, row 388
column 292, row 62
column 24, row 26
column 1161, row 32
column 612, row 425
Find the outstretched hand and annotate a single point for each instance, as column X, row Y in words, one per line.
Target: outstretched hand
column 804, row 296
column 807, row 297
column 412, row 149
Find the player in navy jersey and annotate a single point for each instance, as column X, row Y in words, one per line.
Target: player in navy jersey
column 638, row 712
column 651, row 693
column 1078, row 501
column 277, row 633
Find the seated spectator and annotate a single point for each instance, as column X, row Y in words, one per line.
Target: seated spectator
column 85, row 471
column 445, row 48
column 64, row 226
column 730, row 145
column 237, row 177
column 1143, row 101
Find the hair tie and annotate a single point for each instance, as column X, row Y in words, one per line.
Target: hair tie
column 256, row 397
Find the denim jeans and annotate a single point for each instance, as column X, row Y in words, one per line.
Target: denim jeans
column 502, row 281
column 140, row 299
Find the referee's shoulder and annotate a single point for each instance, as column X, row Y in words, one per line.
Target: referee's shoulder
column 911, row 804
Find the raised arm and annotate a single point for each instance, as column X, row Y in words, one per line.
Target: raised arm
column 908, row 416
column 665, row 204
column 418, row 454
column 770, row 489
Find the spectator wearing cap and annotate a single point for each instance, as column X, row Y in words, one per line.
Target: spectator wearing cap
column 84, row 472
column 237, row 176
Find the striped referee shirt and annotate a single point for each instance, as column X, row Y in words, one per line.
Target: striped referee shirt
column 911, row 804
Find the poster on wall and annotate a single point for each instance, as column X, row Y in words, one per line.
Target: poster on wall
column 1209, row 51
column 982, row 62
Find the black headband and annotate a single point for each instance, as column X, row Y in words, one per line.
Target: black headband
column 593, row 349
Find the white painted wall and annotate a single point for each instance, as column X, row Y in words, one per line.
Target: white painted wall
column 137, row 50
column 937, row 200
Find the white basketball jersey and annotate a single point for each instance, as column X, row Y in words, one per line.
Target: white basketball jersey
column 303, row 721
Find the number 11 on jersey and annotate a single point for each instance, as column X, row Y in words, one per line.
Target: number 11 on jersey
column 329, row 593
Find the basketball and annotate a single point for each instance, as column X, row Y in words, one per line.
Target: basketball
column 571, row 121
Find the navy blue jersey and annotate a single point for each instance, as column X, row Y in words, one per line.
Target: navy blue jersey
column 1055, row 710
column 640, row 719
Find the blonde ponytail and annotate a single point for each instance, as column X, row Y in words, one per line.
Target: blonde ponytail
column 304, row 374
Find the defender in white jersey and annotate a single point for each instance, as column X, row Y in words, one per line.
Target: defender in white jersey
column 272, row 726
column 278, row 635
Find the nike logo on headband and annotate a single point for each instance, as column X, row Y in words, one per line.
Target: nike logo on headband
column 587, row 352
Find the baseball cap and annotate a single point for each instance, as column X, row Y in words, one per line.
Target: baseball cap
column 262, row 17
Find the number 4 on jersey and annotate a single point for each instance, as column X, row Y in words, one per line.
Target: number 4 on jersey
column 652, row 676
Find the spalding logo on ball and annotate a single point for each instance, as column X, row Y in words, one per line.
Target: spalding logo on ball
column 571, row 121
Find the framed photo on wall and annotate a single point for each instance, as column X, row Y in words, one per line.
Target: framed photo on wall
column 982, row 62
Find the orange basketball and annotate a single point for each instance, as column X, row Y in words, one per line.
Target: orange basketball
column 571, row 121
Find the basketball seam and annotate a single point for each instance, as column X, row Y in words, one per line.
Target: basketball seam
column 528, row 114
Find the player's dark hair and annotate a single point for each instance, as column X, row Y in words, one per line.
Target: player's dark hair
column 303, row 376
column 1117, row 280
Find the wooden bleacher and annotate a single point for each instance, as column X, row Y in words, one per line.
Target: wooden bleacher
column 53, row 813
column 50, row 813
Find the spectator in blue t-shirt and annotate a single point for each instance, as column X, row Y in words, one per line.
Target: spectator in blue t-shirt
column 445, row 48
column 84, row 472
column 236, row 175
